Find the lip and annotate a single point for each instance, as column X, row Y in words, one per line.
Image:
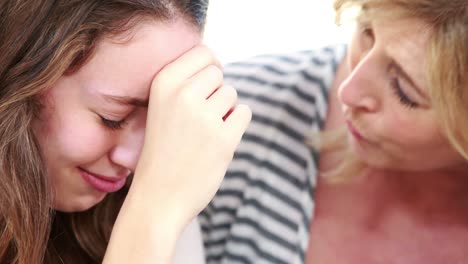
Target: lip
column 354, row 132
column 102, row 183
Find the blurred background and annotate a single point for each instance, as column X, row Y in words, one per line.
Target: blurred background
column 238, row 29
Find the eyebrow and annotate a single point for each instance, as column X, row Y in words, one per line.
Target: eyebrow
column 126, row 100
column 400, row 70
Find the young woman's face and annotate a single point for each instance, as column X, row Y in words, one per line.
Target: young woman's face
column 385, row 100
column 92, row 127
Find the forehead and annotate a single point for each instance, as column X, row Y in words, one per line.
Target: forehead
column 128, row 67
column 407, row 42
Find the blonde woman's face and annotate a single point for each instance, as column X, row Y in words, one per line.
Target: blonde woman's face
column 92, row 128
column 385, row 100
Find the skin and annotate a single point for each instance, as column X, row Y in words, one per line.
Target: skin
column 409, row 204
column 180, row 130
column 398, row 125
column 193, row 127
column 71, row 131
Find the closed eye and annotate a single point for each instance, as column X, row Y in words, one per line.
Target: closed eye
column 112, row 124
column 403, row 98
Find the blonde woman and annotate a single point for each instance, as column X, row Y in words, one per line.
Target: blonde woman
column 394, row 188
column 110, row 112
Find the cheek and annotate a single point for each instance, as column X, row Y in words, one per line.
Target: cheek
column 77, row 138
column 416, row 137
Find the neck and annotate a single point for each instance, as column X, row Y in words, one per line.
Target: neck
column 427, row 196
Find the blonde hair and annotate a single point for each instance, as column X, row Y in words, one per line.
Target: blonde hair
column 446, row 69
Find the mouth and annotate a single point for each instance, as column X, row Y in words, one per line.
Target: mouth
column 355, row 132
column 102, row 183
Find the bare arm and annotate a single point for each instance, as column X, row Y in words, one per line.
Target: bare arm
column 193, row 128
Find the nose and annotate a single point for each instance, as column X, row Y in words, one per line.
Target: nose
column 359, row 91
column 126, row 152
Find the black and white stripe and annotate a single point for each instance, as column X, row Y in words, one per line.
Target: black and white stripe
column 262, row 211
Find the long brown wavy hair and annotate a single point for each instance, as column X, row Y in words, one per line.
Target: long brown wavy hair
column 40, row 41
column 446, row 70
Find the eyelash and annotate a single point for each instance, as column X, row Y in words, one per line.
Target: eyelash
column 404, row 99
column 111, row 124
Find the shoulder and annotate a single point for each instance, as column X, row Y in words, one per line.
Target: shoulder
column 266, row 197
column 288, row 95
column 295, row 84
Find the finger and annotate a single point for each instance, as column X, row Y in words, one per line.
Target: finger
column 238, row 121
column 177, row 72
column 204, row 83
column 222, row 100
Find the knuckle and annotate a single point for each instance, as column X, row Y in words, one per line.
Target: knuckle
column 161, row 82
column 209, row 120
column 204, row 51
column 232, row 93
column 215, row 72
column 246, row 111
column 205, row 54
column 187, row 98
column 243, row 116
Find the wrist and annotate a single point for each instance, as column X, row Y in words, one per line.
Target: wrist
column 143, row 232
column 161, row 215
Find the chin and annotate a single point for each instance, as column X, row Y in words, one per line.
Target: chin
column 78, row 204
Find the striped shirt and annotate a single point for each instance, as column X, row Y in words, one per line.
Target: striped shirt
column 263, row 209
